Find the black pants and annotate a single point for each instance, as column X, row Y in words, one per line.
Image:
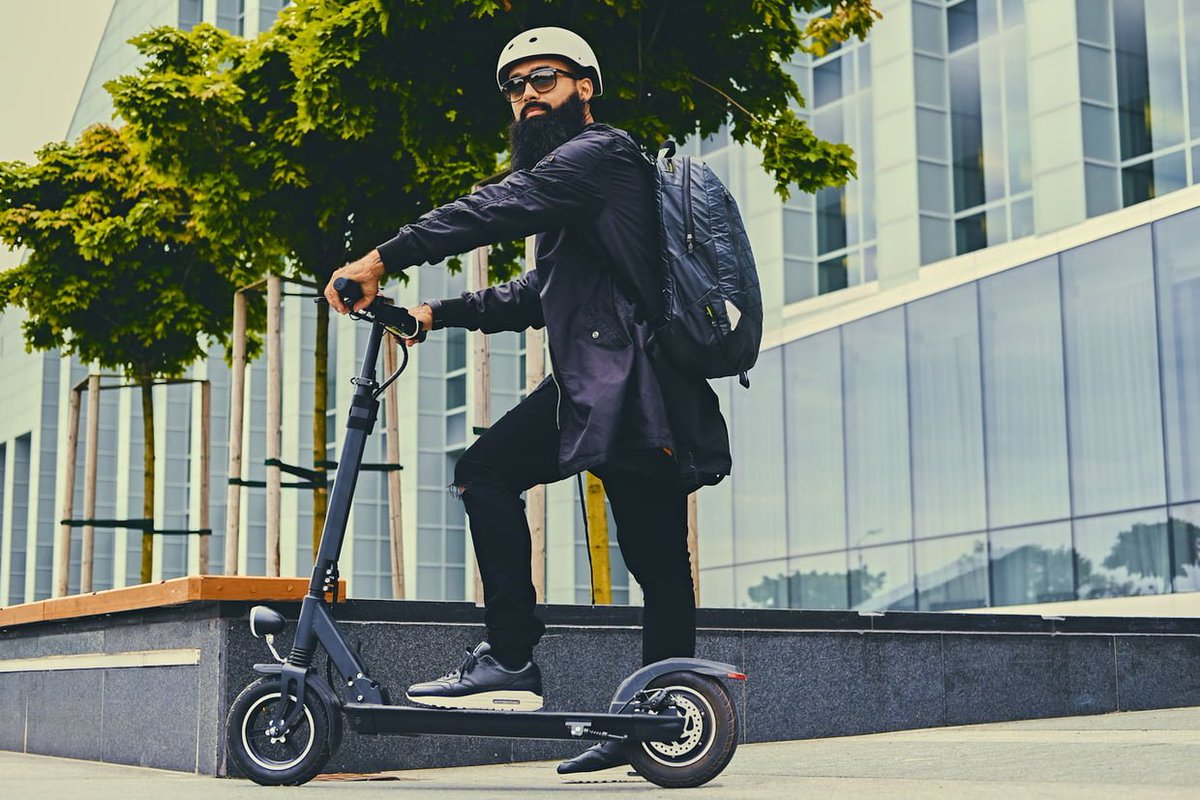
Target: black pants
column 649, row 505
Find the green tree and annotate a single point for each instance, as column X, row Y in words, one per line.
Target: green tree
column 115, row 271
column 418, row 80
column 314, row 142
column 219, row 114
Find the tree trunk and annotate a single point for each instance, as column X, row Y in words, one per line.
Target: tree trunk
column 146, row 383
column 320, row 434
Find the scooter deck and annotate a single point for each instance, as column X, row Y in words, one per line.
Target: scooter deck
column 375, row 718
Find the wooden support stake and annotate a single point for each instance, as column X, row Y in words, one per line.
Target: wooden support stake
column 535, row 498
column 392, row 432
column 274, row 419
column 89, row 484
column 693, row 541
column 483, row 372
column 205, row 469
column 237, row 404
column 597, row 528
column 63, row 554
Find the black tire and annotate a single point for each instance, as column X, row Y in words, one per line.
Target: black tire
column 709, row 739
column 299, row 756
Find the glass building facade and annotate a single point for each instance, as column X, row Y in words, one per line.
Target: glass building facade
column 1027, row 437
column 1139, row 64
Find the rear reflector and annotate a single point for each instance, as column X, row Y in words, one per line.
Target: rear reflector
column 737, row 676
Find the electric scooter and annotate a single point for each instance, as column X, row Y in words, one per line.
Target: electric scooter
column 675, row 717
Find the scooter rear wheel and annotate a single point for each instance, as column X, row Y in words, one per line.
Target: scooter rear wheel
column 288, row 760
column 710, row 733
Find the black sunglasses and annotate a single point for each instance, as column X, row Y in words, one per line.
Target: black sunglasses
column 542, row 80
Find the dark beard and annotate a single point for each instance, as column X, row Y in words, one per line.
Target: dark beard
column 532, row 139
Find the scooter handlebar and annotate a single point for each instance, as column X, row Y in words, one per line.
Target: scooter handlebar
column 392, row 316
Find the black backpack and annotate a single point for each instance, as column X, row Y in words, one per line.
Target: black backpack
column 712, row 306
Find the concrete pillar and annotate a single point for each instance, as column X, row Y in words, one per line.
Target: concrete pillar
column 898, row 219
column 1055, row 115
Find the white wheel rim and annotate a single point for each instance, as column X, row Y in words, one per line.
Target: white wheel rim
column 275, row 766
column 695, row 708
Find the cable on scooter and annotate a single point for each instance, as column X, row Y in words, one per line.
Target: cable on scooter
column 400, row 337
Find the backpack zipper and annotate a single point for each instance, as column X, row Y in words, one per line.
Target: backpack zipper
column 689, row 226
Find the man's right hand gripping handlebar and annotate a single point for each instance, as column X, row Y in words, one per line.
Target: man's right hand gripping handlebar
column 411, row 327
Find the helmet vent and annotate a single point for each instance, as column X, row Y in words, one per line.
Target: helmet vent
column 533, row 39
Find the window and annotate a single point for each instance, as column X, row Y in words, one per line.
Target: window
column 763, row 585
column 175, row 473
column 1147, row 179
column 1110, row 343
column 456, row 392
column 758, row 477
column 1177, row 251
column 946, row 413
column 1032, row 565
column 831, row 219
column 818, row 581
column 1122, row 554
column 844, row 216
column 20, row 519
column 815, row 451
column 268, row 10
column 231, row 15
column 966, row 131
column 1185, row 548
column 881, row 578
column 191, row 13
column 456, row 349
column 832, row 275
column 952, row 573
column 827, row 82
column 1151, row 106
column 1023, row 396
column 962, row 25
column 989, row 153
column 3, row 488
column 876, row 424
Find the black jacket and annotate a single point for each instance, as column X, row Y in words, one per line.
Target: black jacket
column 597, row 282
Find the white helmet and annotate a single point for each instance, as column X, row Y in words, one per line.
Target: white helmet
column 550, row 42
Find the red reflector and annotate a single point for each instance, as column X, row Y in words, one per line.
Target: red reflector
column 737, row 676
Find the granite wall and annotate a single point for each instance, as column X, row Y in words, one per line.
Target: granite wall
column 811, row 674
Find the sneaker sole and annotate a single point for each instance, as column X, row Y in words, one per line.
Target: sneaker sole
column 490, row 701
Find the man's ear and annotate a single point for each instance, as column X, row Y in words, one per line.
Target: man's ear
column 585, row 89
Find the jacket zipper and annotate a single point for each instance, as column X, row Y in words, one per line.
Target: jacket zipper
column 557, row 393
column 689, row 226
column 558, row 402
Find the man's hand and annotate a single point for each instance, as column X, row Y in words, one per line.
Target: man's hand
column 366, row 272
column 424, row 315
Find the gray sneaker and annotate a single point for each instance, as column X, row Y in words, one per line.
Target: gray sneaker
column 482, row 682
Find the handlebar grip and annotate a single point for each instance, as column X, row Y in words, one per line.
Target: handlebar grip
column 395, row 316
column 348, row 290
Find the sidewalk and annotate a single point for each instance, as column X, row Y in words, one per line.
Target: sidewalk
column 1151, row 754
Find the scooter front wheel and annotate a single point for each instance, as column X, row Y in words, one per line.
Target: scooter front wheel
column 284, row 758
column 709, row 739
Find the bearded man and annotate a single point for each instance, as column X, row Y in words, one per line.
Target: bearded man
column 612, row 405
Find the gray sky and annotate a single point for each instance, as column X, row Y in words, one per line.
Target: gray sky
column 46, row 50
